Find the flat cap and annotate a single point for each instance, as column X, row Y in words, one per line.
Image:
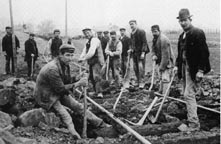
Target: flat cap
column 31, row 34
column 113, row 33
column 122, row 29
column 8, row 27
column 132, row 21
column 56, row 30
column 106, row 32
column 67, row 47
column 86, row 29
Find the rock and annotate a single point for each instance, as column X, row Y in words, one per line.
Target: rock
column 99, row 140
column 52, row 120
column 31, row 117
column 26, row 140
column 8, row 137
column 138, row 107
column 171, row 118
column 1, row 141
column 5, row 120
column 7, row 96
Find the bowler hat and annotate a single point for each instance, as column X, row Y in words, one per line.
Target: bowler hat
column 67, row 47
column 184, row 14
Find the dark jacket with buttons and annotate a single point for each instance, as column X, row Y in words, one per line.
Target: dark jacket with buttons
column 126, row 42
column 197, row 53
column 139, row 42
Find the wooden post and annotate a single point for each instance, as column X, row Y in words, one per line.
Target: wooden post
column 66, row 19
column 13, row 38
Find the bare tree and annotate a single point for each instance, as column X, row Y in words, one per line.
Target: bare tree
column 46, row 27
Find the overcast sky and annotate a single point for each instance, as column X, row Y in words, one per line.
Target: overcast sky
column 82, row 13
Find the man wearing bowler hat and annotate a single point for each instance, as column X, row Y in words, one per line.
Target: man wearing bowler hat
column 93, row 54
column 192, row 63
column 139, row 49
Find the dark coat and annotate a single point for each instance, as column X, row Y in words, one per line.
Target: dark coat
column 30, row 48
column 162, row 49
column 7, row 44
column 50, row 83
column 126, row 42
column 55, row 45
column 197, row 53
column 139, row 42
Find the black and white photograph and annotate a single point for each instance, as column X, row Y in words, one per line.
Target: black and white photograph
column 110, row 72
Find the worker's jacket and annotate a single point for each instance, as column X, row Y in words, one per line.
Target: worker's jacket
column 50, row 83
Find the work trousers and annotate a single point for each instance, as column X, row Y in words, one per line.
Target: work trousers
column 30, row 68
column 124, row 65
column 7, row 64
column 95, row 77
column 190, row 89
column 114, row 65
column 139, row 67
column 77, row 107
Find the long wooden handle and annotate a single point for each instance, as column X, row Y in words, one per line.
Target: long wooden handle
column 147, row 111
column 118, row 98
column 128, row 66
column 129, row 129
column 84, row 133
column 107, row 69
column 153, row 72
column 199, row 106
column 164, row 98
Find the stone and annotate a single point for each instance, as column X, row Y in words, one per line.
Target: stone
column 5, row 120
column 31, row 117
column 52, row 120
column 1, row 141
column 26, row 140
column 99, row 140
column 8, row 137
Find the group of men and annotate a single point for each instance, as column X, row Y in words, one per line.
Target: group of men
column 31, row 51
column 54, row 81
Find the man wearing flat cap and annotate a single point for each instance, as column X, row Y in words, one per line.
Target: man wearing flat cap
column 113, row 51
column 93, row 54
column 192, row 63
column 53, row 85
column 139, row 49
column 54, row 44
column 31, row 53
column 8, row 50
column 162, row 55
column 126, row 43
column 104, row 42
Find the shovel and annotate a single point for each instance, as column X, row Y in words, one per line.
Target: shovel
column 107, row 69
column 32, row 65
column 151, row 117
column 141, row 121
column 124, row 85
column 84, row 133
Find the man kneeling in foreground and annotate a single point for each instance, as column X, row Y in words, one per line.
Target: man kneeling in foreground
column 52, row 89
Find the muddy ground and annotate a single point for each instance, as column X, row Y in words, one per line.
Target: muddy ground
column 131, row 107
